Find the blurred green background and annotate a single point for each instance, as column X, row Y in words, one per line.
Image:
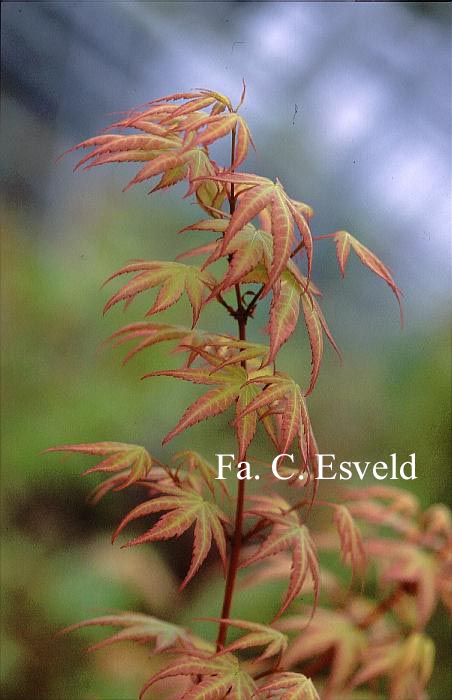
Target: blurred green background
column 349, row 105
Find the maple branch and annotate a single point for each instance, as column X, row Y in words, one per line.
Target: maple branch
column 252, row 305
column 241, row 317
column 224, row 303
column 297, row 249
column 383, row 607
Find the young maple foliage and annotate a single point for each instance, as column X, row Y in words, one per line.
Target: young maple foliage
column 261, row 236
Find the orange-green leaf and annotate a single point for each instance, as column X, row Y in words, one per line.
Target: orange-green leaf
column 186, row 508
column 139, row 628
column 327, row 631
column 229, row 380
column 220, row 676
column 344, row 241
column 288, row 686
column 134, row 459
column 258, row 636
column 288, row 533
column 407, row 663
column 350, row 538
column 284, row 312
column 174, row 278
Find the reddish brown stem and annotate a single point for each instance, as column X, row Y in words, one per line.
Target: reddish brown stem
column 383, row 607
column 242, row 318
column 233, row 565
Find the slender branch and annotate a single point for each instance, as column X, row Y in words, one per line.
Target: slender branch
column 252, row 305
column 297, row 249
column 233, row 565
column 383, row 607
column 241, row 317
column 227, row 306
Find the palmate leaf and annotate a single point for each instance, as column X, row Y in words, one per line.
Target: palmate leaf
column 217, row 126
column 251, row 248
column 283, row 396
column 405, row 564
column 327, row 631
column 132, row 462
column 260, row 194
column 288, row 534
column 230, row 386
column 399, row 500
column 168, row 143
column 139, row 628
column 174, row 278
column 288, row 686
column 200, row 469
column 258, row 636
column 221, row 676
column 284, row 312
column 344, row 242
column 186, row 508
column 149, row 334
column 352, row 547
column 408, row 664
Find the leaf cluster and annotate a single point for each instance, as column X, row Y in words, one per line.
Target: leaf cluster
column 260, row 237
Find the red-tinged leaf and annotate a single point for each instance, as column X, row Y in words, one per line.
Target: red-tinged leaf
column 176, row 96
column 145, row 125
column 249, row 205
column 210, row 404
column 221, row 676
column 284, row 312
column 305, row 233
column 315, row 334
column 243, row 142
column 408, row 664
column 350, row 538
column 281, row 389
column 174, row 277
column 160, row 164
column 172, row 177
column 112, row 484
column 139, row 628
column 206, row 249
column 325, row 327
column 217, row 225
column 229, row 381
column 288, row 686
column 290, row 534
column 405, row 564
column 259, row 635
column 344, row 241
column 263, row 195
column 304, row 209
column 134, row 459
column 124, row 157
column 215, row 127
column 153, row 333
column 248, row 351
column 246, row 425
column 328, row 631
column 199, row 375
column 379, row 514
column 192, row 105
column 283, row 235
column 186, row 508
column 196, row 465
column 131, row 144
column 399, row 500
